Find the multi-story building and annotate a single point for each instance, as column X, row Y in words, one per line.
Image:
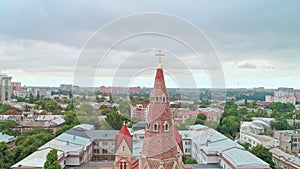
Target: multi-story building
column 5, row 87
column 73, row 150
column 282, row 97
column 139, row 110
column 16, row 86
column 284, row 160
column 134, row 90
column 66, row 87
column 213, row 114
column 289, row 140
column 254, row 140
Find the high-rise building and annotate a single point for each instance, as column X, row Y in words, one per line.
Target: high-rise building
column 5, row 87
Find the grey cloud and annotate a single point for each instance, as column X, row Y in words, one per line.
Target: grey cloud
column 247, row 66
column 269, row 66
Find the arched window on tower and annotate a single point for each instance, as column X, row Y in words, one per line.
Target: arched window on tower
column 156, row 98
column 163, row 98
column 166, row 126
column 155, row 127
column 123, row 165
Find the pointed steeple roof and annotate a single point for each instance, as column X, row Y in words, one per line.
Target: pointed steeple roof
column 159, row 141
column 124, row 134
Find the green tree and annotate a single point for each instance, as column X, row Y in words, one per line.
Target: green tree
column 185, row 126
column 31, row 98
column 211, row 124
column 6, row 156
column 7, row 124
column 52, row 105
column 87, row 107
column 247, row 146
column 263, row 153
column 71, row 118
column 70, row 107
column 201, row 118
column 124, row 107
column 281, row 124
column 51, row 160
column 115, row 120
column 93, row 120
column 190, row 161
column 229, row 126
column 30, row 141
column 4, row 108
column 204, row 103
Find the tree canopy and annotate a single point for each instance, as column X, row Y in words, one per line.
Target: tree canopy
column 263, row 153
column 51, row 160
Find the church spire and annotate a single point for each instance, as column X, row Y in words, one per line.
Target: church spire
column 159, row 145
column 159, row 54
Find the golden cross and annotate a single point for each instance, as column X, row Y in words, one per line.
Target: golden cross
column 159, row 54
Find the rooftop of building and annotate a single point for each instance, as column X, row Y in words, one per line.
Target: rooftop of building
column 74, row 139
column 243, row 158
column 63, row 146
column 36, row 159
column 203, row 166
column 6, row 138
column 288, row 157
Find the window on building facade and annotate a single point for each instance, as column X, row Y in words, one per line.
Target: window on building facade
column 104, row 151
column 104, row 143
column 155, row 127
column 123, row 165
column 166, row 125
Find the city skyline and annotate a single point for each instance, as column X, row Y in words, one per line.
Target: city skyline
column 256, row 42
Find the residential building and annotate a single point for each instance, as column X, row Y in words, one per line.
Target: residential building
column 66, row 87
column 52, row 122
column 284, row 160
column 254, row 140
column 236, row 158
column 289, row 140
column 282, row 97
column 134, row 90
column 139, row 110
column 209, row 147
column 213, row 114
column 5, row 87
column 16, row 86
column 110, row 90
column 8, row 140
column 103, row 142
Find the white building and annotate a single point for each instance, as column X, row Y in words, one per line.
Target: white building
column 254, row 140
column 207, row 146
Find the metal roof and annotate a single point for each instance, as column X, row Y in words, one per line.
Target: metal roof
column 240, row 157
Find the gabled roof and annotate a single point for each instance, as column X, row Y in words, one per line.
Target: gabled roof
column 124, row 134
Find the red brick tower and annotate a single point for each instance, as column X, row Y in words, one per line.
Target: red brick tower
column 159, row 149
column 123, row 150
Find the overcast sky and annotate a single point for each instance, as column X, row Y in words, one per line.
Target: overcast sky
column 257, row 42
